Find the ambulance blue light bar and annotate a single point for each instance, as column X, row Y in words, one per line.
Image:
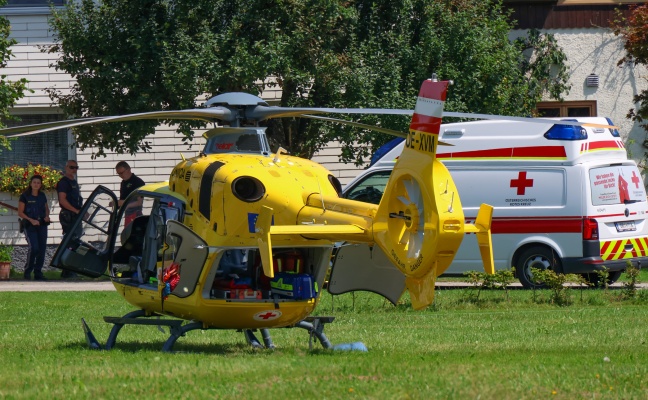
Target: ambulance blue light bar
column 615, row 132
column 566, row 132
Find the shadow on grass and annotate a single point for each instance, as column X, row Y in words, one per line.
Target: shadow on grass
column 135, row 347
column 204, row 348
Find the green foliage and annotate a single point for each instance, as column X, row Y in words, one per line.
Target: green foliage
column 634, row 30
column 133, row 56
column 560, row 293
column 15, row 178
column 499, row 280
column 5, row 252
column 603, row 276
column 632, row 279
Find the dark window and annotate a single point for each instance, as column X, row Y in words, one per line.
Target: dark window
column 370, row 189
column 48, row 148
column 555, row 109
column 34, row 3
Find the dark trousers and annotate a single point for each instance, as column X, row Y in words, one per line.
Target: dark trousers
column 37, row 240
column 67, row 219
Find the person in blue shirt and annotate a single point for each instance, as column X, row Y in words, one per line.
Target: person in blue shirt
column 34, row 210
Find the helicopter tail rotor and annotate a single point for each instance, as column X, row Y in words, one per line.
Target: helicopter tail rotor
column 419, row 223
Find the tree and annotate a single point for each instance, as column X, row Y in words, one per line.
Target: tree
column 10, row 92
column 140, row 55
column 634, row 30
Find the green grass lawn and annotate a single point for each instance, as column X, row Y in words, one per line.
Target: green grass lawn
column 496, row 347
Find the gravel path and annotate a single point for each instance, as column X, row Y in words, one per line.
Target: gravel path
column 19, row 258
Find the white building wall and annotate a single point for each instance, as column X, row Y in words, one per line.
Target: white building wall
column 598, row 50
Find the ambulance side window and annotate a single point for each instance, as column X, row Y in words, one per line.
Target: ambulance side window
column 370, row 189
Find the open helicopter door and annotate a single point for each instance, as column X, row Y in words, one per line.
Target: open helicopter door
column 87, row 249
column 360, row 267
column 189, row 253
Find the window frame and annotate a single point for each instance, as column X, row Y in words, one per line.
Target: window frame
column 564, row 107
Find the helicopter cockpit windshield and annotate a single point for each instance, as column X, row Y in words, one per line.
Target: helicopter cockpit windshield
column 238, row 140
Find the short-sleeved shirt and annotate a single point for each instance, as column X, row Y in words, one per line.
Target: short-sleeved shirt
column 127, row 187
column 35, row 206
column 72, row 191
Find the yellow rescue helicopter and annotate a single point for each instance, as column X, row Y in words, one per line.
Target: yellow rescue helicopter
column 241, row 238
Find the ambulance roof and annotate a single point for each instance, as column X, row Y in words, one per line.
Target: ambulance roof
column 515, row 141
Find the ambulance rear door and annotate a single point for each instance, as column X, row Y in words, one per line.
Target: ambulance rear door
column 616, row 225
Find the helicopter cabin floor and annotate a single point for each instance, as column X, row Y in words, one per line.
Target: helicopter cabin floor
column 230, row 295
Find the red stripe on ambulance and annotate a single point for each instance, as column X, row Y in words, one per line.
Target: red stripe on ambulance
column 537, row 225
column 511, row 152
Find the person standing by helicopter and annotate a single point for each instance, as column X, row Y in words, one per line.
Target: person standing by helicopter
column 129, row 183
column 34, row 211
column 70, row 200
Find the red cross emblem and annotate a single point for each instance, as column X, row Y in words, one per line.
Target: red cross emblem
column 521, row 183
column 267, row 315
column 635, row 179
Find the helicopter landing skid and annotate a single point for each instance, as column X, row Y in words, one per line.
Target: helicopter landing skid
column 315, row 328
column 314, row 325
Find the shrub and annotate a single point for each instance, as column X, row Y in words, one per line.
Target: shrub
column 5, row 252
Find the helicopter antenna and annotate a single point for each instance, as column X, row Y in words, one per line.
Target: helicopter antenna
column 451, row 201
column 321, row 196
column 280, row 150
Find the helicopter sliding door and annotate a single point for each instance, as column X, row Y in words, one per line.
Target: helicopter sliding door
column 360, row 267
column 86, row 249
column 189, row 252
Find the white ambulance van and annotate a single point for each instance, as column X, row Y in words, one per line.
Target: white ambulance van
column 565, row 197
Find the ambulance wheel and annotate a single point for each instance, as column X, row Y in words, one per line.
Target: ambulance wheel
column 539, row 257
column 595, row 280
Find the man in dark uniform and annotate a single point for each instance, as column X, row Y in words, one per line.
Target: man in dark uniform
column 70, row 201
column 129, row 183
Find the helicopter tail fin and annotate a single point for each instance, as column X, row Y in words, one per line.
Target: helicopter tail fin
column 482, row 228
column 263, row 225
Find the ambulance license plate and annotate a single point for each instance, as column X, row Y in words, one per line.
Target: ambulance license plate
column 625, row 226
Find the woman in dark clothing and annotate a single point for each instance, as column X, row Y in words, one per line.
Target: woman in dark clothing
column 34, row 210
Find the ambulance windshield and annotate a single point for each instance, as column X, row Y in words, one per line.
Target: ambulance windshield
column 618, row 184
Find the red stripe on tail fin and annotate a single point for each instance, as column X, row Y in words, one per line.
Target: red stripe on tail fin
column 429, row 106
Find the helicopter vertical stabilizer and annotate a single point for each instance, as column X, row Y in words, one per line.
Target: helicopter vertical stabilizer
column 420, row 222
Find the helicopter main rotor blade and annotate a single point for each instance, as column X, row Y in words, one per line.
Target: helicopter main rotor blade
column 357, row 125
column 266, row 112
column 46, row 125
column 365, row 126
column 204, row 114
